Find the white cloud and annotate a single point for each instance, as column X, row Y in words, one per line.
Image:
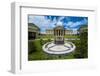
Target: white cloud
column 60, row 18
column 44, row 23
column 59, row 23
column 77, row 23
column 70, row 23
column 40, row 21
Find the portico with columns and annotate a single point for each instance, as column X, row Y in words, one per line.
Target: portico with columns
column 59, row 33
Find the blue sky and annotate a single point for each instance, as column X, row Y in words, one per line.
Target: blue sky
column 49, row 22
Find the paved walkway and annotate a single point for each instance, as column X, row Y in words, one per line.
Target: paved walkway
column 52, row 48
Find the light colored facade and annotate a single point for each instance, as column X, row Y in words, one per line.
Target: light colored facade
column 67, row 32
column 50, row 31
column 59, row 33
column 33, row 31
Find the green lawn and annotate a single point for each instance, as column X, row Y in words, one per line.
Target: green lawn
column 71, row 36
column 35, row 51
column 66, row 36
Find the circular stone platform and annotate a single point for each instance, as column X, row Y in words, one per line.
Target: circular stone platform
column 52, row 48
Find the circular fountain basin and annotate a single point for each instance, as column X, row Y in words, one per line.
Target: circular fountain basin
column 52, row 48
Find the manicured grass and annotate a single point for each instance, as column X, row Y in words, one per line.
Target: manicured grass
column 66, row 36
column 71, row 36
column 35, row 51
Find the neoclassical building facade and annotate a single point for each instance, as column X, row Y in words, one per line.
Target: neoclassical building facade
column 59, row 33
column 33, row 31
column 67, row 32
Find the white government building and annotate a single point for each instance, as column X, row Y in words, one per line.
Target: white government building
column 67, row 32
